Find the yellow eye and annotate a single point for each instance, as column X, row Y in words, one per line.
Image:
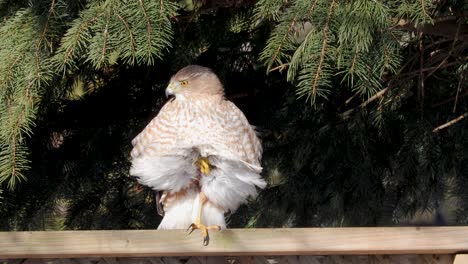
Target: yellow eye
column 183, row 83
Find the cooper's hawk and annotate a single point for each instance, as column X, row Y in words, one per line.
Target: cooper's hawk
column 201, row 151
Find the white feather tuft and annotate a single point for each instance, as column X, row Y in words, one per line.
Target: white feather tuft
column 169, row 172
column 231, row 182
column 179, row 215
column 183, row 213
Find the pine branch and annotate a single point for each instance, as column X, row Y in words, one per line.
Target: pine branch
column 136, row 32
column 376, row 96
column 460, row 81
column 455, row 40
column 14, row 140
column 353, row 61
column 24, row 76
column 291, row 26
column 161, row 8
column 15, row 95
column 10, row 68
column 423, row 6
column 76, row 37
column 148, row 25
column 39, row 42
column 280, row 67
column 421, row 75
column 103, row 30
column 446, row 101
column 268, row 9
column 444, row 65
column 278, row 49
column 324, row 45
column 130, row 33
column 449, row 123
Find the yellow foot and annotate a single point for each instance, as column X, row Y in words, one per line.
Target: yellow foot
column 204, row 165
column 204, row 229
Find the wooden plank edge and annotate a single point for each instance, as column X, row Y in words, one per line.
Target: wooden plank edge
column 461, row 259
column 235, row 242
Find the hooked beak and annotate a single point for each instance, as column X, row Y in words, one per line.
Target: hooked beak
column 170, row 90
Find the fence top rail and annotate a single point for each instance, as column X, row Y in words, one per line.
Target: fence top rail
column 235, row 242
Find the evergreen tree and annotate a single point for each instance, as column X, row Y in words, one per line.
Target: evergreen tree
column 360, row 106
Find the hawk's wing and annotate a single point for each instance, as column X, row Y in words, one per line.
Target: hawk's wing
column 235, row 177
column 158, row 135
column 242, row 135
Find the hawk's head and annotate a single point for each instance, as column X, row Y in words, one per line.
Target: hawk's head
column 194, row 81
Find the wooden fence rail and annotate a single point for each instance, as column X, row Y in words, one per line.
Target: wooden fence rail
column 288, row 245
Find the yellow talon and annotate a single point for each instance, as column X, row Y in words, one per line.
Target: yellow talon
column 198, row 225
column 204, row 229
column 204, row 165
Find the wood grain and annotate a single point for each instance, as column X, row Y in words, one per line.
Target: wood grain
column 235, row 242
column 348, row 259
column 461, row 259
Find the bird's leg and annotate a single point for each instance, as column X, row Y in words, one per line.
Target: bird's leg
column 204, row 168
column 198, row 224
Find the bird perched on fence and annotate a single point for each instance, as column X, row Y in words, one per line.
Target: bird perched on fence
column 200, row 151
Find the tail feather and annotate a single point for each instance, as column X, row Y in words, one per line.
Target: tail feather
column 183, row 212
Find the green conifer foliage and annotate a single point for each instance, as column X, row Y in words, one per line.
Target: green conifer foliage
column 42, row 42
column 136, row 32
column 361, row 106
column 357, row 41
column 25, row 71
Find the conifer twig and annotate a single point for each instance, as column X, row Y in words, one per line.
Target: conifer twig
column 291, row 25
column 280, row 67
column 353, row 62
column 455, row 40
column 161, row 5
column 375, row 96
column 12, row 65
column 462, row 76
column 324, row 46
column 70, row 50
column 379, row 94
column 410, row 74
column 39, row 42
column 13, row 138
column 421, row 73
column 350, row 99
column 282, row 40
column 449, row 123
column 132, row 41
column 148, row 24
column 104, row 44
column 446, row 101
column 424, row 9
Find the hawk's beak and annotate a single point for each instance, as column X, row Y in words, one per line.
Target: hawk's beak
column 169, row 90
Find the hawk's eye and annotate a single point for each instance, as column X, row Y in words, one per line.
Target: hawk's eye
column 184, row 83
